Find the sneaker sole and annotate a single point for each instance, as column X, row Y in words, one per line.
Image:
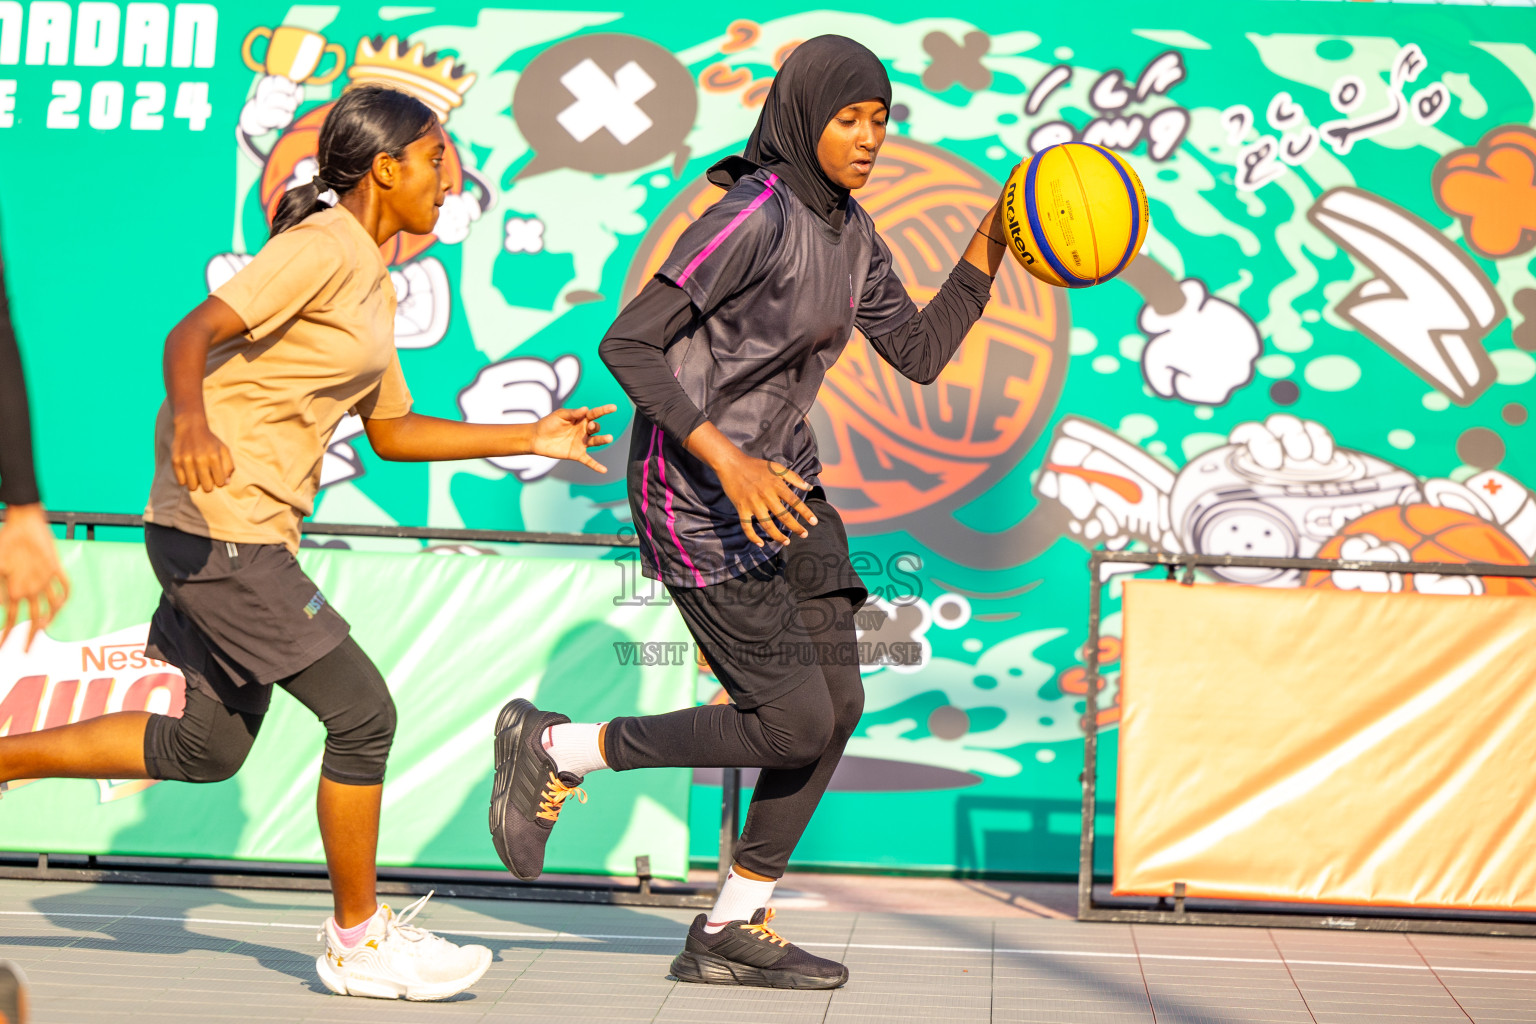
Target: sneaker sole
column 509, row 748
column 371, row 988
column 708, row 969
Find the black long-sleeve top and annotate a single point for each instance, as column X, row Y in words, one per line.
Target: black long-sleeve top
column 633, row 348
column 18, row 478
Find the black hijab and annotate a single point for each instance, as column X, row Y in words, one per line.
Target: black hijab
column 822, row 76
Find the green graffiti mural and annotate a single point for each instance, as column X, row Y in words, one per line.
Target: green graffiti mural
column 1326, row 344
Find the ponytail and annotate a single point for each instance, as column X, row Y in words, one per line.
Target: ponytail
column 366, row 121
column 297, row 203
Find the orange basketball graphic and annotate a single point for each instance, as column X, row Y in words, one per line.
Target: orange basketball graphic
column 1434, row 534
column 301, row 141
column 891, row 448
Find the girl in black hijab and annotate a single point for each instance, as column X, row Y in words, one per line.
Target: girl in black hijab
column 723, row 353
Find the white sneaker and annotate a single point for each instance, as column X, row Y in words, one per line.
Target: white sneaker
column 395, row 959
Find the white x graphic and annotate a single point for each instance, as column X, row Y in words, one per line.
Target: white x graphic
column 603, row 102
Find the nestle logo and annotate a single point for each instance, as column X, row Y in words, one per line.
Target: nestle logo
column 116, row 657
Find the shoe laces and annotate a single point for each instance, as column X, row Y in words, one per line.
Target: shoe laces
column 398, row 926
column 765, row 933
column 554, row 796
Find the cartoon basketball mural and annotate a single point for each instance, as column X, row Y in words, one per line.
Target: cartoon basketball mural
column 1424, row 533
column 896, row 454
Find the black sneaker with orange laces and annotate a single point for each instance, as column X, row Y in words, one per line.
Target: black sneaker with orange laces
column 751, row 953
column 529, row 790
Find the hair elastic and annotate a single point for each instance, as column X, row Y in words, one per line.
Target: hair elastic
column 327, row 191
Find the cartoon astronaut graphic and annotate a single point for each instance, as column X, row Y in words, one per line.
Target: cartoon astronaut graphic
column 421, row 285
column 1283, row 489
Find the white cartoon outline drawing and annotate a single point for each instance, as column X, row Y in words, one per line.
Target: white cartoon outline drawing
column 1342, row 134
column 524, row 389
column 1279, row 489
column 1427, row 303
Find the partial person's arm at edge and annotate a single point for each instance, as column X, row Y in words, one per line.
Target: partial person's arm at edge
column 921, row 347
column 18, row 475
column 30, row 573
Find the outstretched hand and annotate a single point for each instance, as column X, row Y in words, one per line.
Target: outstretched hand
column 568, row 433
column 30, row 573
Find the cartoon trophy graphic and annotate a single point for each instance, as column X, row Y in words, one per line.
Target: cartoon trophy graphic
column 294, row 53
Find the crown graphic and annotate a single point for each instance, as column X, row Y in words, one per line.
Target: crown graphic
column 440, row 84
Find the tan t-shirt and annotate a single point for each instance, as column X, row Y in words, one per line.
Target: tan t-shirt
column 319, row 311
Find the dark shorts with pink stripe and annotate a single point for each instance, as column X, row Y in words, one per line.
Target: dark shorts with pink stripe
column 753, row 628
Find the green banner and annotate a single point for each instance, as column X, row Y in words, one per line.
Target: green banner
column 456, row 638
column 1325, row 346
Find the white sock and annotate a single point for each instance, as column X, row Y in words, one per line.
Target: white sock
column 739, row 899
column 352, row 936
column 574, row 747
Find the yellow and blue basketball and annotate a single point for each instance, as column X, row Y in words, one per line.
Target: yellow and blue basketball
column 1074, row 214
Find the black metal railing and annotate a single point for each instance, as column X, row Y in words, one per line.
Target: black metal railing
column 90, row 520
column 482, row 884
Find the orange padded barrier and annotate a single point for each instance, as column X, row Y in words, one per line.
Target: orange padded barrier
column 1327, row 746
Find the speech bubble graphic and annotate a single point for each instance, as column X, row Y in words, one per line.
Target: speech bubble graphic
column 602, row 104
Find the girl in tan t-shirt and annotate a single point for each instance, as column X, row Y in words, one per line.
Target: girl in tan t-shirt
column 258, row 376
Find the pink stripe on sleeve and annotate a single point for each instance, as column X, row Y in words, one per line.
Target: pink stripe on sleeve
column 726, row 231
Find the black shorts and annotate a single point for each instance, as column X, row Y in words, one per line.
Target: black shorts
column 236, row 618
column 750, row 628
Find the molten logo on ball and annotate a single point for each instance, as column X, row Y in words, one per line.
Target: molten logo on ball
column 1081, row 209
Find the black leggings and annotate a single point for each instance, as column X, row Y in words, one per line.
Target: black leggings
column 797, row 739
column 210, row 741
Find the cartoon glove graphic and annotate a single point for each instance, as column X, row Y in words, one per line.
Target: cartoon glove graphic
column 522, row 390
column 223, row 267
column 1283, row 440
column 1366, row 548
column 1200, row 353
column 272, row 106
